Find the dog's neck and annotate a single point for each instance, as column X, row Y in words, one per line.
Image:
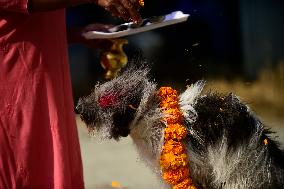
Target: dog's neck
column 147, row 127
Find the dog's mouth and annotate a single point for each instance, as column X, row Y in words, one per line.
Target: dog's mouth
column 121, row 123
column 116, row 132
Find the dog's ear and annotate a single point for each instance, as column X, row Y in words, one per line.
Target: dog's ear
column 188, row 99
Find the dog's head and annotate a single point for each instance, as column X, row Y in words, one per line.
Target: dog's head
column 110, row 108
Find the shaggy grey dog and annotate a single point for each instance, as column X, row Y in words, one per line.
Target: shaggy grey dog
column 228, row 146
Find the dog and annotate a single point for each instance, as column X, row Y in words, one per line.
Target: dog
column 227, row 144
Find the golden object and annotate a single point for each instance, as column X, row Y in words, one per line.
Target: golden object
column 114, row 59
column 174, row 160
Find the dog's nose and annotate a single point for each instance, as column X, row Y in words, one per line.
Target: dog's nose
column 76, row 110
column 79, row 107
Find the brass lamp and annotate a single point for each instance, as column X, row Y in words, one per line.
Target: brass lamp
column 114, row 58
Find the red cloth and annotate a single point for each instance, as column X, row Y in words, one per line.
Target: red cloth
column 39, row 145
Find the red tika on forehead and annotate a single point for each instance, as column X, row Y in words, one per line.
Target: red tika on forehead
column 108, row 100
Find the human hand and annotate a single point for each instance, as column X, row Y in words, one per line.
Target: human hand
column 75, row 35
column 102, row 44
column 126, row 9
column 97, row 27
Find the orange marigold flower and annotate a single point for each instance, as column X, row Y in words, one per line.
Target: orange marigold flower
column 169, row 103
column 174, row 147
column 169, row 97
column 173, row 116
column 173, row 177
column 175, row 131
column 164, row 91
column 173, row 161
column 192, row 187
column 185, row 184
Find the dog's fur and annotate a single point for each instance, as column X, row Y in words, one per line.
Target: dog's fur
column 225, row 143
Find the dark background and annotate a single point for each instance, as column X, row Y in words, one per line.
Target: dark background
column 225, row 39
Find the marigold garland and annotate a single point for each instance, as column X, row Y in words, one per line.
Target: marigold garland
column 176, row 131
column 173, row 146
column 174, row 160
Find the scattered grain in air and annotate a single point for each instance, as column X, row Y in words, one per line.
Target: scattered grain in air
column 195, row 44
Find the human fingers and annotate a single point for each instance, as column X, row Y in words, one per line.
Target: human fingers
column 136, row 4
column 97, row 27
column 122, row 10
column 113, row 10
column 132, row 10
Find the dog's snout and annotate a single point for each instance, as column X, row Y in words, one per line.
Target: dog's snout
column 79, row 107
column 77, row 110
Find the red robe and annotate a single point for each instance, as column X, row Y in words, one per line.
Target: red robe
column 39, row 146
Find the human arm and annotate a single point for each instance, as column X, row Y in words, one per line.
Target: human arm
column 49, row 5
column 29, row 6
column 126, row 9
column 20, row 6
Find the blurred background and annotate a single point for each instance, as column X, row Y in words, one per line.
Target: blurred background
column 236, row 46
